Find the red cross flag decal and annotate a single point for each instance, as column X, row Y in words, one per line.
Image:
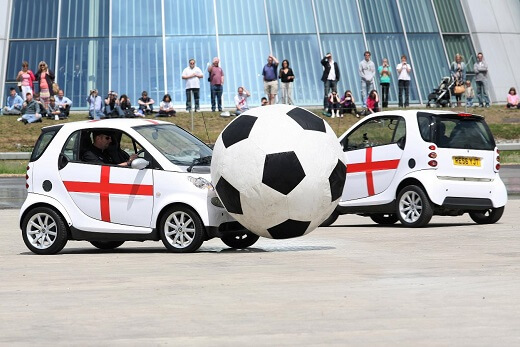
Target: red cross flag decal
column 370, row 166
column 104, row 188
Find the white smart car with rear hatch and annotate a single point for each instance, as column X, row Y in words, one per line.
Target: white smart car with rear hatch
column 164, row 194
column 410, row 165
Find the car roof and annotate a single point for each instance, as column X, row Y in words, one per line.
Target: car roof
column 116, row 123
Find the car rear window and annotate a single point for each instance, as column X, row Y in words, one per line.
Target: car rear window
column 44, row 140
column 455, row 131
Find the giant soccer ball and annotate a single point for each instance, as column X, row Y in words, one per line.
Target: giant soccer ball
column 278, row 170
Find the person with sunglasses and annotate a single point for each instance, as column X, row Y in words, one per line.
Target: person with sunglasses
column 98, row 150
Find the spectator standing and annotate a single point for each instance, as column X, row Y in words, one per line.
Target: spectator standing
column 191, row 76
column 330, row 78
column 216, row 83
column 112, row 106
column 30, row 110
column 287, row 79
column 481, row 70
column 367, row 70
column 384, row 81
column 14, row 103
column 95, row 105
column 404, row 69
column 469, row 93
column 348, row 103
column 513, row 101
column 64, row 104
column 241, row 100
column 270, row 79
column 373, row 102
column 166, row 107
column 145, row 104
column 458, row 72
column 45, row 78
column 25, row 80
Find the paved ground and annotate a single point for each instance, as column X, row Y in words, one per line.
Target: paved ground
column 454, row 283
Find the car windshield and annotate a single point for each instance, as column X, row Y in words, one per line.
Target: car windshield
column 456, row 131
column 176, row 144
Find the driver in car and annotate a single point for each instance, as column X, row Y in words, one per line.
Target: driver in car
column 98, row 154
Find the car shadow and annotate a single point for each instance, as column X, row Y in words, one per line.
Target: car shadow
column 397, row 225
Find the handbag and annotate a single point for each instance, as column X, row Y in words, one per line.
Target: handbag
column 459, row 89
column 55, row 88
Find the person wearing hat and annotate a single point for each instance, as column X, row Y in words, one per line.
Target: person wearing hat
column 97, row 152
column 95, row 105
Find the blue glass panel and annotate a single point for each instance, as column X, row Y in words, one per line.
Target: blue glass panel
column 391, row 46
column 418, row 16
column 337, row 16
column 31, row 51
column 347, row 50
column 451, row 16
column 430, row 61
column 290, row 16
column 83, row 67
column 179, row 50
column 302, row 52
column 81, row 18
column 138, row 65
column 34, row 19
column 242, row 60
column 241, row 17
column 381, row 16
column 136, row 18
column 195, row 17
column 460, row 44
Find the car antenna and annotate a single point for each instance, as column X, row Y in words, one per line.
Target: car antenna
column 205, row 127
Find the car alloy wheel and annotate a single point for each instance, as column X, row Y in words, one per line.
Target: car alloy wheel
column 181, row 230
column 413, row 207
column 44, row 231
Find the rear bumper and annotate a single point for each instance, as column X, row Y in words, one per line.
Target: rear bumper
column 467, row 204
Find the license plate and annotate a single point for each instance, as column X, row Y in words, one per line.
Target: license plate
column 466, row 161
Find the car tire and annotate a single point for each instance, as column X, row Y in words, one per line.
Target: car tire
column 44, row 231
column 384, row 218
column 181, row 230
column 413, row 207
column 489, row 216
column 107, row 244
column 241, row 241
column 331, row 219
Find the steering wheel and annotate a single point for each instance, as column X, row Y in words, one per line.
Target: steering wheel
column 140, row 152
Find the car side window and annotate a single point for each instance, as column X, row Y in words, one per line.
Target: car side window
column 71, row 148
column 377, row 131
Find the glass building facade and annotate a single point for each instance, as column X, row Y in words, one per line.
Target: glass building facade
column 135, row 45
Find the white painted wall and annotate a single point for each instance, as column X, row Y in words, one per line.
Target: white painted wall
column 495, row 30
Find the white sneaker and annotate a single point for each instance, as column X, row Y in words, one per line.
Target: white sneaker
column 19, row 119
column 332, row 116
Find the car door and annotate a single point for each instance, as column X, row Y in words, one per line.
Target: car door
column 372, row 152
column 110, row 193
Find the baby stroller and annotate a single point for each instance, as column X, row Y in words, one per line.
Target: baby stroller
column 441, row 96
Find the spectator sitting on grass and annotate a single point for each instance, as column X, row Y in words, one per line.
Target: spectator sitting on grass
column 373, row 102
column 53, row 110
column 30, row 110
column 64, row 104
column 14, row 103
column 112, row 108
column 43, row 107
column 145, row 103
column 241, row 100
column 95, row 105
column 264, row 101
column 166, row 107
column 513, row 101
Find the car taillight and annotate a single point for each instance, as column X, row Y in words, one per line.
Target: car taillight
column 432, row 155
column 497, row 167
column 432, row 147
column 432, row 163
column 27, row 177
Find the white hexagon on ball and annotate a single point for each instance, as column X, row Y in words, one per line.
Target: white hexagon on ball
column 278, row 170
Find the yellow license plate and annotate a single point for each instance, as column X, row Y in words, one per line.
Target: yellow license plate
column 466, row 161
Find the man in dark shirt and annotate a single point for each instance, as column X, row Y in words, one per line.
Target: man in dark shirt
column 98, row 154
column 270, row 74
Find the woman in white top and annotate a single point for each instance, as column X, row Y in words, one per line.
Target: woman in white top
column 166, row 107
column 404, row 69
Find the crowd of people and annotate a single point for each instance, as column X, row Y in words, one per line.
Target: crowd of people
column 51, row 102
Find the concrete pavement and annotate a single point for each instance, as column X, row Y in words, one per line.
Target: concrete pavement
column 354, row 283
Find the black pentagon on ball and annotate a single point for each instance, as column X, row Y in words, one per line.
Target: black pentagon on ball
column 337, row 180
column 238, row 130
column 282, row 171
column 306, row 119
column 289, row 228
column 229, row 196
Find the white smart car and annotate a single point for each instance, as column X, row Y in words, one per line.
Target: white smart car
column 165, row 194
column 409, row 165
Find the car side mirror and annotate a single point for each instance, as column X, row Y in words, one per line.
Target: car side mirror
column 139, row 163
column 62, row 161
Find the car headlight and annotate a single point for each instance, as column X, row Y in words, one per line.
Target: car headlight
column 201, row 183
